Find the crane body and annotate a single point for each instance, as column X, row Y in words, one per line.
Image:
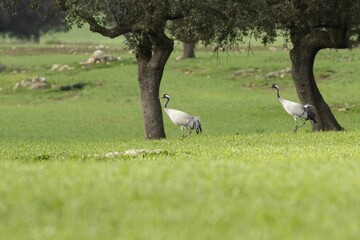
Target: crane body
column 182, row 119
column 297, row 110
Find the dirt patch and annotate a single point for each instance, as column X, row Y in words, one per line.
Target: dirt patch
column 61, row 49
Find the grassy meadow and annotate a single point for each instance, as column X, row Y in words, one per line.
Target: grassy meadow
column 246, row 177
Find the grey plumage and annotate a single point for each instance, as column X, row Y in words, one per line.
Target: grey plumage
column 297, row 110
column 182, row 119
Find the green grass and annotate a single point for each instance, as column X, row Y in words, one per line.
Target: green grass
column 254, row 186
column 246, row 177
column 227, row 101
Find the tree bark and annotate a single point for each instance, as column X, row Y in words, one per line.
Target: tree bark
column 305, row 48
column 188, row 50
column 151, row 66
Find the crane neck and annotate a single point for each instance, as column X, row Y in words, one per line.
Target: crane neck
column 278, row 93
column 166, row 104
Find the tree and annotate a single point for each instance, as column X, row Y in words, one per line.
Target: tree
column 311, row 25
column 324, row 24
column 188, row 50
column 22, row 22
column 145, row 23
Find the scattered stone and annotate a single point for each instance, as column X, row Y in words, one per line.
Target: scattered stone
column 273, row 49
column 72, row 51
column 248, row 71
column 111, row 154
column 131, row 152
column 272, row 75
column 35, row 83
column 100, row 56
column 344, row 108
column 134, row 152
column 61, row 67
column 279, row 74
column 98, row 47
column 17, row 71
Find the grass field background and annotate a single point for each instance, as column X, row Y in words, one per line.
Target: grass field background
column 246, row 177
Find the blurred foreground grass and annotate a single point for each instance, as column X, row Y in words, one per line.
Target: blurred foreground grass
column 254, row 186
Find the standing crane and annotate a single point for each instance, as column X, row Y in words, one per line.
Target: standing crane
column 297, row 110
column 182, row 119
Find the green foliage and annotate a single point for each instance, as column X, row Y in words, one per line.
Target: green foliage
column 22, row 22
column 6, row 4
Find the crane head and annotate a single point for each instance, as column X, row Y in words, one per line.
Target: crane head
column 167, row 96
column 275, row 86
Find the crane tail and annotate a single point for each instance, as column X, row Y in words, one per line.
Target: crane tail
column 195, row 124
column 310, row 112
column 198, row 129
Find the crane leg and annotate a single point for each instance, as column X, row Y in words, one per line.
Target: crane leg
column 303, row 122
column 295, row 129
column 298, row 126
column 186, row 134
column 182, row 131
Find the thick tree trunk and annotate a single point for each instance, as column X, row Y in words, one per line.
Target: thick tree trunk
column 151, row 66
column 188, row 50
column 302, row 57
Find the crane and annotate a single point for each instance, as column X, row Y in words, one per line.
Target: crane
column 182, row 119
column 297, row 110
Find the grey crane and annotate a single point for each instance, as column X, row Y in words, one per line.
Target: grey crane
column 297, row 110
column 182, row 119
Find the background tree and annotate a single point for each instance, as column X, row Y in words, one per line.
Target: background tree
column 188, row 50
column 22, row 22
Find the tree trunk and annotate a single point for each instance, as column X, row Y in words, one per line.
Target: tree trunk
column 188, row 50
column 151, row 66
column 302, row 57
column 36, row 38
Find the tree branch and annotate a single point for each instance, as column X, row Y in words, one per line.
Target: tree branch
column 94, row 24
column 108, row 32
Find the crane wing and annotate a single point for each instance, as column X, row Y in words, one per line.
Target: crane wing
column 178, row 117
column 292, row 108
column 194, row 123
column 310, row 112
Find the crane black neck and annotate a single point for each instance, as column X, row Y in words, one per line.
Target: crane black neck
column 167, row 101
column 278, row 92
